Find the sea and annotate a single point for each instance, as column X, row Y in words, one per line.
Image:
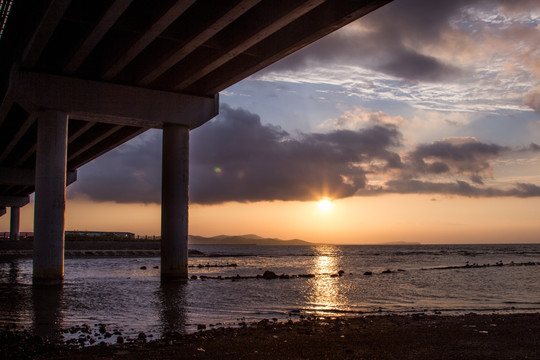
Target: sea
column 126, row 296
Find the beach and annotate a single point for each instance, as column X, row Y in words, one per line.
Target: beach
column 417, row 336
column 325, row 301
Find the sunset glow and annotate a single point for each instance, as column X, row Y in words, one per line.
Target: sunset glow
column 421, row 126
column 325, row 205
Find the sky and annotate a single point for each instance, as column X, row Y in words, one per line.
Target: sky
column 418, row 122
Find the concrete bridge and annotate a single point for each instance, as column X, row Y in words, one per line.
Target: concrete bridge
column 79, row 77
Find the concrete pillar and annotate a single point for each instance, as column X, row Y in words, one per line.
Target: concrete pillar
column 14, row 223
column 50, row 198
column 174, row 202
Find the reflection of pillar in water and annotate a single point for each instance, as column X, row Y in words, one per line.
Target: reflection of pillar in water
column 13, row 271
column 47, row 302
column 172, row 298
column 15, row 298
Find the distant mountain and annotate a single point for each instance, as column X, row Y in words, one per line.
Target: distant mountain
column 249, row 239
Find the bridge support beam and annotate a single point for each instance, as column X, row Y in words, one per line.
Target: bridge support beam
column 14, row 222
column 174, row 202
column 50, row 198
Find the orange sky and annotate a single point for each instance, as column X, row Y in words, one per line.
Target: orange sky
column 357, row 220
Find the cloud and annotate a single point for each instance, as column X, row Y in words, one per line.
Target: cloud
column 130, row 173
column 454, row 156
column 459, row 188
column 360, row 118
column 236, row 157
column 411, row 65
column 464, row 55
column 519, row 5
column 532, row 100
column 392, row 49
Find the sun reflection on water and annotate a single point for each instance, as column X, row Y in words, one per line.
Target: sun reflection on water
column 325, row 294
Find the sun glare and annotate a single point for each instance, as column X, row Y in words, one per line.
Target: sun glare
column 325, row 205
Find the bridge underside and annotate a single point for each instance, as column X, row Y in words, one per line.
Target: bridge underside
column 78, row 78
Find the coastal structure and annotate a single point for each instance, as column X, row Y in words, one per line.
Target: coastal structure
column 78, row 78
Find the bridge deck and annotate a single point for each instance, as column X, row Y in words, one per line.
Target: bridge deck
column 190, row 47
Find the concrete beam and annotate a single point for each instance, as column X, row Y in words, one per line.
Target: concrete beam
column 13, row 201
column 111, row 103
column 233, row 14
column 108, row 19
column 27, row 177
column 95, row 141
column 147, row 37
column 44, row 31
column 249, row 42
column 18, row 135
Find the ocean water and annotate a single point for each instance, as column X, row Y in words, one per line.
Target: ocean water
column 424, row 278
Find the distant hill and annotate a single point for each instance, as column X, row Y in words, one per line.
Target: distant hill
column 249, row 239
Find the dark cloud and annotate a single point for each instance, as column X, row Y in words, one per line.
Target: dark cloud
column 130, row 173
column 454, row 156
column 426, row 187
column 525, row 190
column 458, row 188
column 411, row 65
column 236, row 157
column 518, row 5
column 396, row 32
column 531, row 148
column 396, row 35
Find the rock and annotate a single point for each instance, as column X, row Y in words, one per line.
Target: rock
column 387, row 271
column 142, row 337
column 195, row 252
column 269, row 275
column 367, row 273
column 143, row 267
column 120, row 340
column 201, row 327
column 156, row 267
column 341, row 272
column 193, row 277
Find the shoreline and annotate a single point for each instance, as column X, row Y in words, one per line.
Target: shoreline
column 417, row 336
column 75, row 249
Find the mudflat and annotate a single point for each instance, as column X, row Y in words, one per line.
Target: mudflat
column 417, row 336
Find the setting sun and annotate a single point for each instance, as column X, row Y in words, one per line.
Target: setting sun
column 325, row 205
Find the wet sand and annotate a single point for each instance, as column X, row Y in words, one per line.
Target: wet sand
column 419, row 336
